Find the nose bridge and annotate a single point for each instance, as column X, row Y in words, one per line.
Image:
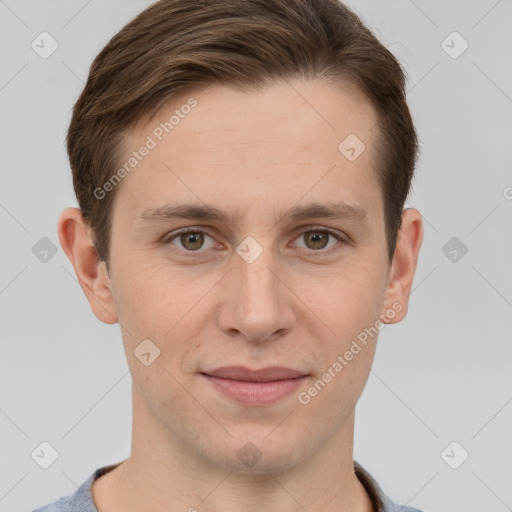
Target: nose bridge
column 258, row 286
column 257, row 306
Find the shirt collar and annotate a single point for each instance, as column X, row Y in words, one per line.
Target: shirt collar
column 381, row 503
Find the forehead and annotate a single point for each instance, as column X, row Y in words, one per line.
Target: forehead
column 251, row 148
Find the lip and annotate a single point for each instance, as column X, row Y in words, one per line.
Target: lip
column 268, row 374
column 256, row 387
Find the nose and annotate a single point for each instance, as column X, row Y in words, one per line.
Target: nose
column 255, row 301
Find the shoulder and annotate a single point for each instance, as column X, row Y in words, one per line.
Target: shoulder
column 381, row 502
column 81, row 500
column 61, row 505
column 74, row 503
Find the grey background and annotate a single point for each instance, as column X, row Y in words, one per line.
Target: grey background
column 442, row 375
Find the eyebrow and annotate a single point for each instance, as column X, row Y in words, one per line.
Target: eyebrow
column 344, row 211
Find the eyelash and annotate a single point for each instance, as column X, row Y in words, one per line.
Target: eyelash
column 195, row 254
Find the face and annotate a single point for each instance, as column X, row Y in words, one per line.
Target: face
column 283, row 264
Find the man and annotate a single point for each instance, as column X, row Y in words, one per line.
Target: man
column 241, row 170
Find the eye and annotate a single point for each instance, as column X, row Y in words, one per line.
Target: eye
column 190, row 240
column 318, row 239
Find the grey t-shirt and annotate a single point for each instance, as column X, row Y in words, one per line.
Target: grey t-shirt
column 81, row 500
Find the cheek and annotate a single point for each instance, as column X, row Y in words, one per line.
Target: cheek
column 165, row 306
column 349, row 299
column 350, row 308
column 148, row 303
column 349, row 303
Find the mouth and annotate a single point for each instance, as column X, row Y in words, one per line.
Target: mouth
column 255, row 387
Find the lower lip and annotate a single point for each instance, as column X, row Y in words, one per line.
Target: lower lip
column 256, row 393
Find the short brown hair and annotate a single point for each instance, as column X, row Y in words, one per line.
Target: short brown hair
column 178, row 44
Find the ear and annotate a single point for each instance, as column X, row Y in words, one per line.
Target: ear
column 403, row 267
column 76, row 241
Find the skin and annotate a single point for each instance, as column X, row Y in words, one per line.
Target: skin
column 298, row 305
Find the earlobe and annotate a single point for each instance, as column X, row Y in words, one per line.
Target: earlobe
column 403, row 267
column 76, row 241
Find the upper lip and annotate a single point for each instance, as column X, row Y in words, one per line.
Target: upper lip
column 269, row 374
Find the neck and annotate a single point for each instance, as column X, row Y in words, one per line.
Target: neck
column 165, row 474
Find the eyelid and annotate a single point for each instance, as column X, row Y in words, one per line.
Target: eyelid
column 340, row 236
column 190, row 229
column 166, row 239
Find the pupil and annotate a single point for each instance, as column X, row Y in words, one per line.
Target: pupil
column 192, row 241
column 318, row 240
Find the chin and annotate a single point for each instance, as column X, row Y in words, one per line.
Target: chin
column 258, row 453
